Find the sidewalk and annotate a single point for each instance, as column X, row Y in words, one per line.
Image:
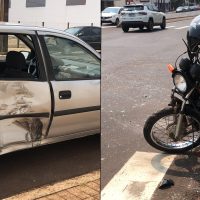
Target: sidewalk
column 85, row 187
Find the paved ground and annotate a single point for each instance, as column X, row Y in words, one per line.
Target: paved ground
column 185, row 171
column 85, row 187
column 135, row 83
column 24, row 170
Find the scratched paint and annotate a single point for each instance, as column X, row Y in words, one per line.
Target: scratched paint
column 33, row 126
column 16, row 98
column 23, row 97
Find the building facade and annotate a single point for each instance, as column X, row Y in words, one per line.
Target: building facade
column 56, row 14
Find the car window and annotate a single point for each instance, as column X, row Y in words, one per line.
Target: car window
column 11, row 43
column 71, row 61
column 133, row 8
column 120, row 10
column 72, row 31
column 111, row 10
column 17, row 57
column 155, row 8
column 84, row 32
column 150, row 7
column 96, row 31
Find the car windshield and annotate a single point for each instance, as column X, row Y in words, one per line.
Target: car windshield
column 72, row 31
column 110, row 10
column 133, row 8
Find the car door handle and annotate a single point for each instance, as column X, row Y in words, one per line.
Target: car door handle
column 65, row 94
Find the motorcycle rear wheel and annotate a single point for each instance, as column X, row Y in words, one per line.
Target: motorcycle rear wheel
column 159, row 131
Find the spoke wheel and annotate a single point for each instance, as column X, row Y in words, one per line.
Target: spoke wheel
column 159, row 131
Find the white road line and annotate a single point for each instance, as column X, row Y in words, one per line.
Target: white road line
column 170, row 27
column 181, row 27
column 138, row 178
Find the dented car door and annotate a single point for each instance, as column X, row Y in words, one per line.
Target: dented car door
column 25, row 103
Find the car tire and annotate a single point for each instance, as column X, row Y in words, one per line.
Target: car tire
column 125, row 28
column 163, row 25
column 117, row 22
column 150, row 25
column 141, row 27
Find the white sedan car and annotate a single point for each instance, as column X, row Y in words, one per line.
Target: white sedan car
column 111, row 15
column 140, row 16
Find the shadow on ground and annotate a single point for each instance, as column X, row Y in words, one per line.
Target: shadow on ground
column 28, row 169
column 185, row 172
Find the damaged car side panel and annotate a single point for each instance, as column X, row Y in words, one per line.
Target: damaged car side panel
column 24, row 112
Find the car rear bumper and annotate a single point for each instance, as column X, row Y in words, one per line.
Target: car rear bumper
column 134, row 24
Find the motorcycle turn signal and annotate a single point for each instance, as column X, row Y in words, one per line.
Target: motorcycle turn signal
column 170, row 68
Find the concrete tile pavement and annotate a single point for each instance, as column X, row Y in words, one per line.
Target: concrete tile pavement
column 85, row 187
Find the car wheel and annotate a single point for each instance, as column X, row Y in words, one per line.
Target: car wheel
column 141, row 27
column 150, row 25
column 117, row 22
column 125, row 28
column 163, row 25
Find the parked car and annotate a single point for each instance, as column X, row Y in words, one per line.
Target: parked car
column 187, row 8
column 89, row 34
column 49, row 87
column 180, row 9
column 140, row 16
column 111, row 15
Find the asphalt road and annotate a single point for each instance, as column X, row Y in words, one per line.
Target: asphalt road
column 28, row 169
column 135, row 83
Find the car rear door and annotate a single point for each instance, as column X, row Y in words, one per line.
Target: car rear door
column 76, row 86
column 25, row 103
column 158, row 14
column 153, row 13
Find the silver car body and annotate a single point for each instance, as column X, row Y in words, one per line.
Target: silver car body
column 31, row 112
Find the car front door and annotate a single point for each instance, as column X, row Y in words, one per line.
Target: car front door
column 25, row 102
column 76, row 86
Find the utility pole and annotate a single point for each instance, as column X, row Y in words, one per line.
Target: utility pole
column 4, row 5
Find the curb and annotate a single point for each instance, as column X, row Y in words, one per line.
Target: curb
column 175, row 19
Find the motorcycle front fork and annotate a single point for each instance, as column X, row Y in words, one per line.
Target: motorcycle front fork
column 179, row 132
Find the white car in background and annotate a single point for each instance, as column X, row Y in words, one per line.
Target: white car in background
column 140, row 16
column 111, row 15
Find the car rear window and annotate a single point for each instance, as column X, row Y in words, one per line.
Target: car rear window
column 72, row 31
column 133, row 8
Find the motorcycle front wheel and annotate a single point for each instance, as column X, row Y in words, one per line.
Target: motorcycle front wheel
column 159, row 131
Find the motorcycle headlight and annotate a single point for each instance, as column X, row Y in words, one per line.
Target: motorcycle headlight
column 180, row 82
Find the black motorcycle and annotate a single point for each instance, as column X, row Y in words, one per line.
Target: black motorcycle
column 176, row 129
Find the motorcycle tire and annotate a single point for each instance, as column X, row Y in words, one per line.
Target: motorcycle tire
column 152, row 120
